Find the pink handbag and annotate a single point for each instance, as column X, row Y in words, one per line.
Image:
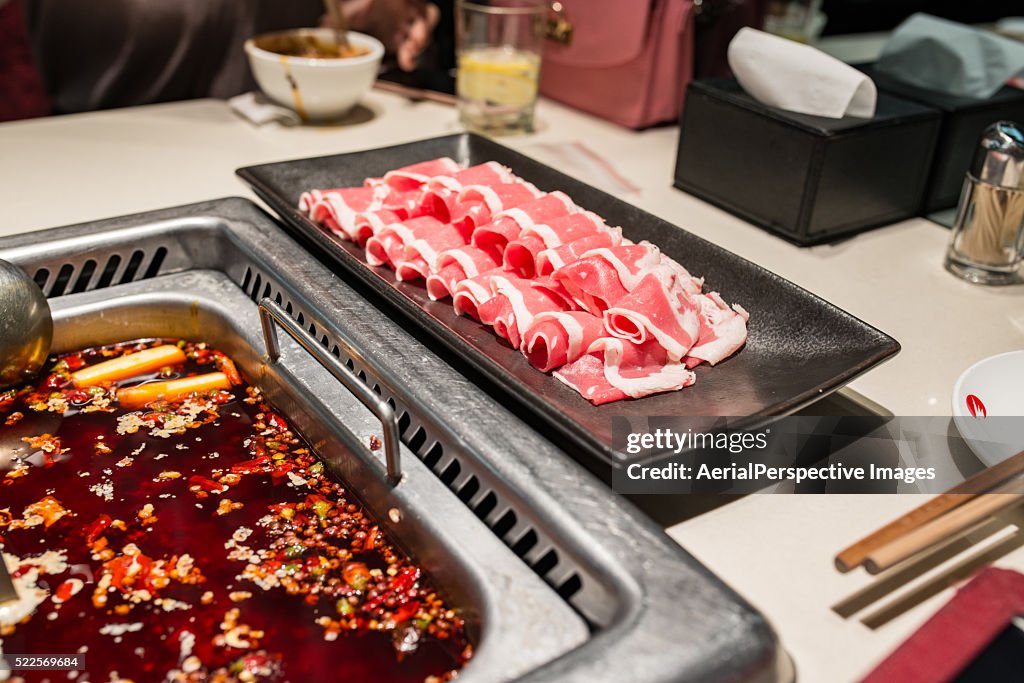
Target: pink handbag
column 628, row 61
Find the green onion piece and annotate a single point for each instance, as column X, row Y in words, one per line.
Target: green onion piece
column 321, row 508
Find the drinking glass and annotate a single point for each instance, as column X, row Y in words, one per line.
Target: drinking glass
column 799, row 20
column 499, row 44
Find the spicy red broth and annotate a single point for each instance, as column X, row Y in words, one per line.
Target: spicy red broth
column 198, row 538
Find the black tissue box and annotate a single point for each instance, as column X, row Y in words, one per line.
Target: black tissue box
column 963, row 121
column 807, row 178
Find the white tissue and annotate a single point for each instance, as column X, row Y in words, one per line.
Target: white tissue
column 258, row 110
column 799, row 78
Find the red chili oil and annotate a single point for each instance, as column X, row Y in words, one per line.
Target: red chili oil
column 251, row 565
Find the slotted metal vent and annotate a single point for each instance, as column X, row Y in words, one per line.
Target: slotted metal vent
column 73, row 277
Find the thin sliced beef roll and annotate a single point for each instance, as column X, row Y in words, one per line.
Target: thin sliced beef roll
column 431, row 236
column 440, row 194
column 520, row 254
column 415, row 176
column 507, row 224
column 550, row 260
column 603, row 276
column 471, row 293
column 657, row 308
column 614, row 369
column 476, row 204
column 337, row 209
column 525, row 300
column 612, row 319
column 455, row 265
column 723, row 330
column 559, row 337
column 422, row 253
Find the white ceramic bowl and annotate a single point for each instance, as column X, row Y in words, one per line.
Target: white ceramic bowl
column 318, row 89
column 988, row 406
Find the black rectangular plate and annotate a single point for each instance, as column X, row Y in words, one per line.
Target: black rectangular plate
column 800, row 347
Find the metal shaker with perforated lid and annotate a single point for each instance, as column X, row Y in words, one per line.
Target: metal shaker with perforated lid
column 987, row 246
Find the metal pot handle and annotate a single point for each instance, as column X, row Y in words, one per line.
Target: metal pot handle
column 271, row 313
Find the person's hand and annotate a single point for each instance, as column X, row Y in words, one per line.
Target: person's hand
column 404, row 26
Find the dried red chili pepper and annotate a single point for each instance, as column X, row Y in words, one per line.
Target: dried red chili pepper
column 64, row 591
column 371, row 539
column 144, row 575
column 227, row 366
column 250, row 466
column 257, row 449
column 122, row 575
column 206, row 484
column 405, row 580
column 6, row 401
column 277, row 422
column 96, row 529
column 221, row 397
column 407, row 611
column 281, row 471
column 79, row 396
column 283, row 509
column 118, row 568
column 398, row 585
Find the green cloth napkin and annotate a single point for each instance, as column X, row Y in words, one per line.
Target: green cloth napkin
column 953, row 58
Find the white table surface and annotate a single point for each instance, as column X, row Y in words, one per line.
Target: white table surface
column 775, row 550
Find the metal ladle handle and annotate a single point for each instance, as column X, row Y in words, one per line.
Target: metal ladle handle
column 271, row 313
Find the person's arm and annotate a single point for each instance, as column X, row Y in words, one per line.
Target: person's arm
column 404, row 26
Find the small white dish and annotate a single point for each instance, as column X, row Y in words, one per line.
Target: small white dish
column 318, row 89
column 988, row 406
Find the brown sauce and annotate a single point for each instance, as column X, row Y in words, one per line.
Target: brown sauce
column 308, row 46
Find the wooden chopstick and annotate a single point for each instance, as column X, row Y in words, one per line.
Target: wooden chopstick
column 414, row 94
column 336, row 19
column 948, row 526
column 991, row 477
column 854, row 555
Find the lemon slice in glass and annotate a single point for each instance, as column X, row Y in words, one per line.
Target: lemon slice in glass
column 499, row 76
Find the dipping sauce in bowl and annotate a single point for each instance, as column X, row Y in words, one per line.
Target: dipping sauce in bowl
column 308, row 45
column 307, row 70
